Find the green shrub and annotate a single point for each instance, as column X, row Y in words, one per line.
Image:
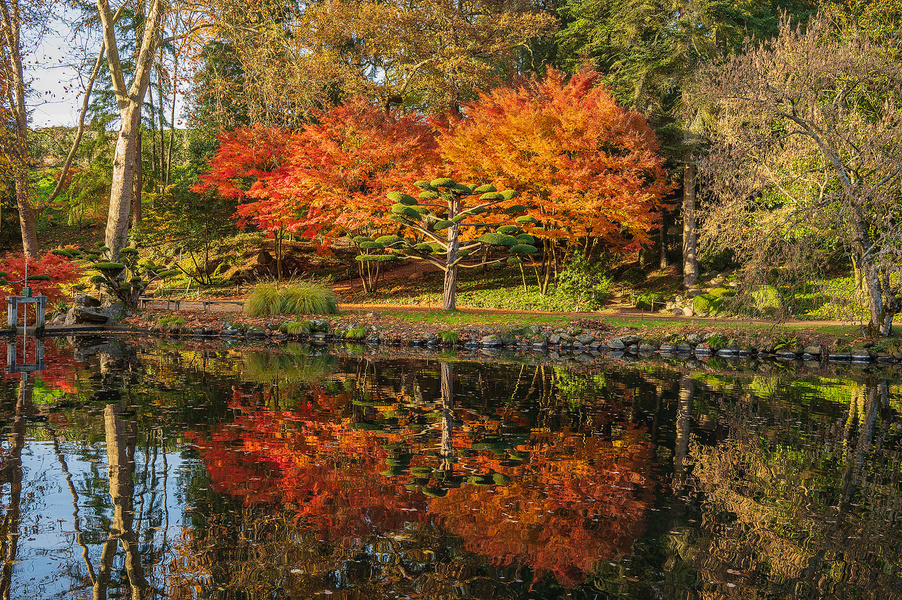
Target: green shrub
column 355, row 332
column 263, row 301
column 266, row 299
column 583, row 282
column 767, row 300
column 706, row 304
column 308, row 298
column 648, row 300
column 722, row 292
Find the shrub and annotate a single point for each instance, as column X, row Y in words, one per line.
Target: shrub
column 449, row 338
column 647, row 300
column 767, row 300
column 706, row 304
column 584, row 283
column 307, row 298
column 263, row 301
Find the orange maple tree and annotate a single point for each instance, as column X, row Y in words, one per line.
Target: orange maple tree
column 584, row 165
column 330, row 176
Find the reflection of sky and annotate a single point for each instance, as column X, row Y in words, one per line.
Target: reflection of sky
column 49, row 561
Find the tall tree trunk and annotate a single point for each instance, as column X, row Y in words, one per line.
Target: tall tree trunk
column 129, row 100
column 447, row 447
column 881, row 314
column 662, row 235
column 138, row 184
column 11, row 472
column 449, row 291
column 122, row 190
column 10, row 28
column 690, row 231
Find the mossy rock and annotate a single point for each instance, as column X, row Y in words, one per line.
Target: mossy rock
column 722, row 292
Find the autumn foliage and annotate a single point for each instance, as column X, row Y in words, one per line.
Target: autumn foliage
column 567, row 502
column 586, row 166
column 60, row 269
column 330, row 176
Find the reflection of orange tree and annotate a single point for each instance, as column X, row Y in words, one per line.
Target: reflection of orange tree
column 576, row 500
column 558, row 502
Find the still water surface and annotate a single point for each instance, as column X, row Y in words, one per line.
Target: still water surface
column 210, row 472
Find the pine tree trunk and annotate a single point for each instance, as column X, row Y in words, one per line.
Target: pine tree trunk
column 662, row 234
column 690, row 232
column 449, row 291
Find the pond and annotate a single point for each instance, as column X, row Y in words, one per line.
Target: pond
column 215, row 471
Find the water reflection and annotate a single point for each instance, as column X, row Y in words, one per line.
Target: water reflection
column 217, row 472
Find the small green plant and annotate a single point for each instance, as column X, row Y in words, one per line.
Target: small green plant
column 355, row 332
column 706, row 304
column 172, row 321
column 449, row 338
column 716, row 342
column 584, row 283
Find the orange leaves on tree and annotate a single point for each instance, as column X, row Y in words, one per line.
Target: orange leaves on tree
column 584, row 165
column 332, row 174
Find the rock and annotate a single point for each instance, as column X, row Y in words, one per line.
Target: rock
column 82, row 315
column 490, row 341
column 554, row 339
column 677, row 311
column 633, row 348
column 693, row 338
column 585, row 339
column 694, row 293
column 812, row 350
column 687, row 312
column 87, row 301
column 685, row 348
column 647, row 348
column 667, row 348
column 629, row 340
column 786, row 354
column 615, row 344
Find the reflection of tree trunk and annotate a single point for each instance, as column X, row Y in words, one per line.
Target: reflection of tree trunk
column 11, row 471
column 683, row 426
column 447, row 449
column 868, row 419
column 120, row 449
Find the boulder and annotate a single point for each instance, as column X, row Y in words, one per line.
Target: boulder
column 82, row 315
column 85, row 300
column 585, row 339
column 615, row 344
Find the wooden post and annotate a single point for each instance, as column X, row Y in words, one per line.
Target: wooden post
column 40, row 316
column 11, row 317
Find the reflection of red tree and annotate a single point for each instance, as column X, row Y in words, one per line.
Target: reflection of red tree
column 59, row 365
column 575, row 500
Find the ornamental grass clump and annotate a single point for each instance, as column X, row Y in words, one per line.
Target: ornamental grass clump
column 267, row 299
